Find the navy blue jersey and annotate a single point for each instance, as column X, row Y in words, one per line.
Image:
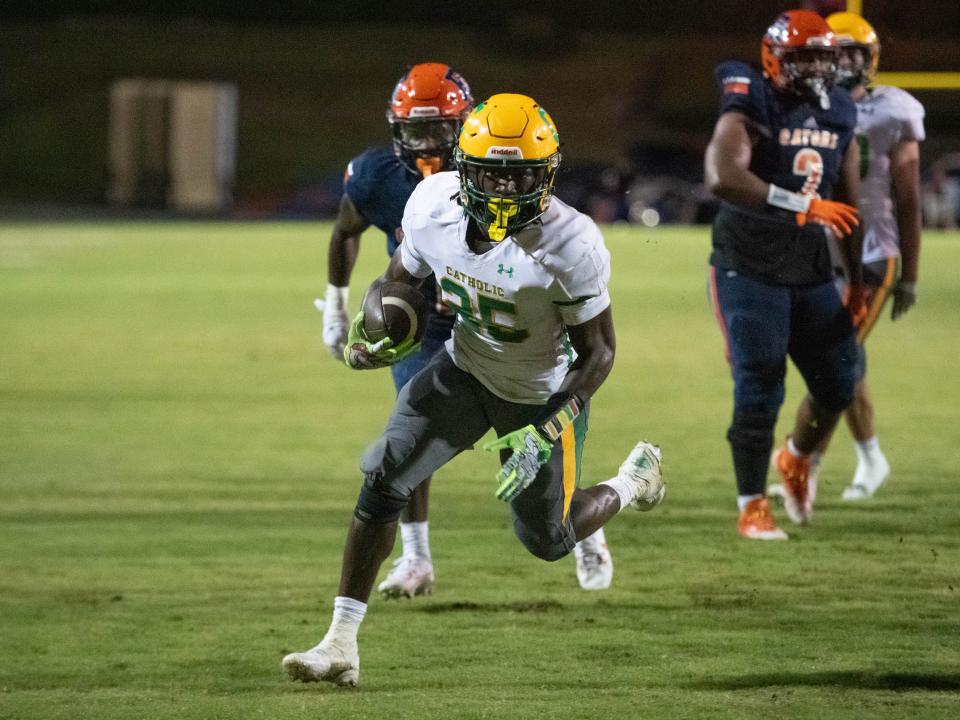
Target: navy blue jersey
column 800, row 147
column 379, row 185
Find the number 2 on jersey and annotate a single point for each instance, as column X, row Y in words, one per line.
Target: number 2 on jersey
column 482, row 318
column 808, row 163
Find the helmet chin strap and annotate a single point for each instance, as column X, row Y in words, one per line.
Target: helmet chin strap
column 502, row 209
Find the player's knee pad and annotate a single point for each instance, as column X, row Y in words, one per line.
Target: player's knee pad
column 833, row 381
column 752, row 430
column 835, row 394
column 759, row 388
column 377, row 503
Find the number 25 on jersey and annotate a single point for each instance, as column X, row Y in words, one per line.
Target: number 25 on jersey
column 483, row 315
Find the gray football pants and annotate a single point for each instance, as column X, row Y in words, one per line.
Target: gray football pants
column 440, row 413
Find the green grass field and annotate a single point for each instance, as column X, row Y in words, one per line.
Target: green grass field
column 178, row 464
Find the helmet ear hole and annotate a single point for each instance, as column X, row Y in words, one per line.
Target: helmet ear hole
column 770, row 62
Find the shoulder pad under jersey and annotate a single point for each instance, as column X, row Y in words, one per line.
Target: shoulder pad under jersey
column 903, row 109
column 434, row 201
column 366, row 171
column 742, row 90
column 570, row 246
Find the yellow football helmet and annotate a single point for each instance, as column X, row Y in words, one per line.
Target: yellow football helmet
column 853, row 33
column 507, row 157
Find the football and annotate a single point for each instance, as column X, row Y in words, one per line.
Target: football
column 394, row 310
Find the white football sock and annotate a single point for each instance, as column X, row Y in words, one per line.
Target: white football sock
column 744, row 500
column 416, row 539
column 347, row 616
column 623, row 489
column 792, row 449
column 868, row 451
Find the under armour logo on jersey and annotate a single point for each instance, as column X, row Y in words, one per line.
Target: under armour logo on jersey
column 508, row 271
column 810, row 123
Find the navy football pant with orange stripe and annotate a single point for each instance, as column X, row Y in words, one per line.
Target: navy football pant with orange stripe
column 440, row 413
column 763, row 324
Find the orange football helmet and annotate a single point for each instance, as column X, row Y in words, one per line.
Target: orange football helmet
column 426, row 110
column 799, row 54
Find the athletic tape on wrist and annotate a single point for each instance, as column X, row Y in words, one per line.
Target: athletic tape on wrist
column 554, row 426
column 794, row 202
column 337, row 297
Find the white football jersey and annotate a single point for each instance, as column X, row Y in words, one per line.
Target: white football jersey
column 513, row 301
column 886, row 116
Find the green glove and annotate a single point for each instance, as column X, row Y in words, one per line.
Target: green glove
column 362, row 354
column 530, row 451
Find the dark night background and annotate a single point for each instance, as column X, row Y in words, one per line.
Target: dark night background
column 629, row 84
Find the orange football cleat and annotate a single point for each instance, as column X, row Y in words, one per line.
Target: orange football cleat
column 794, row 470
column 756, row 522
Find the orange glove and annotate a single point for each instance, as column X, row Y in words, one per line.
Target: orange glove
column 855, row 299
column 838, row 216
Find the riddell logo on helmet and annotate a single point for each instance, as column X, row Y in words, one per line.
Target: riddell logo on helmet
column 429, row 111
column 505, row 152
column 821, row 41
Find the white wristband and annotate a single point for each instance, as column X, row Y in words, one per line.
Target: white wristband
column 794, row 202
column 337, row 297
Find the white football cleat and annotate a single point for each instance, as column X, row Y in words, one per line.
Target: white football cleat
column 334, row 660
column 594, row 563
column 869, row 477
column 411, row 576
column 642, row 470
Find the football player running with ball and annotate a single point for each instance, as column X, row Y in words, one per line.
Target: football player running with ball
column 527, row 276
column 426, row 109
column 784, row 143
column 889, row 130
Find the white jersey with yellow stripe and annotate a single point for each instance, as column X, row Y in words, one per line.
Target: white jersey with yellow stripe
column 886, row 116
column 513, row 301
